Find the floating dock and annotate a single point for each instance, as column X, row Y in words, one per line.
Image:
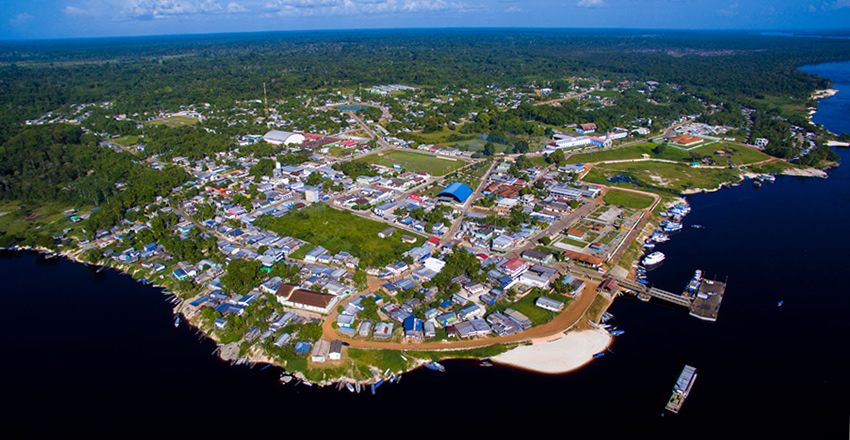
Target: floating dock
column 704, row 304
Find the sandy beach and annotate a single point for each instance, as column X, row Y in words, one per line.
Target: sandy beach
column 558, row 356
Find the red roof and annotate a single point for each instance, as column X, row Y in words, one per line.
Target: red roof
column 434, row 240
column 514, row 263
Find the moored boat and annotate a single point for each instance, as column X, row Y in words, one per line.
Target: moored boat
column 653, row 258
column 436, row 366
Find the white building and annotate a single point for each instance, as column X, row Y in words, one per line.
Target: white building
column 278, row 137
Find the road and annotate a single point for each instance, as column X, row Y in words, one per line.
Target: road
column 565, row 320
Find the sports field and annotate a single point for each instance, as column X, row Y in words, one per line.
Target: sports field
column 411, row 161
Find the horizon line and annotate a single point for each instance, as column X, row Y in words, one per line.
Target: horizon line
column 837, row 33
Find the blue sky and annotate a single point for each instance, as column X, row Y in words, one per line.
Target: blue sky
column 33, row 19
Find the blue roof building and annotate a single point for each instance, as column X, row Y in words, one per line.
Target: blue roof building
column 457, row 190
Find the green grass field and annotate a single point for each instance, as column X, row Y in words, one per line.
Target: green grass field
column 127, row 140
column 411, row 161
column 175, row 121
column 337, row 230
column 736, row 154
column 663, row 175
column 628, row 199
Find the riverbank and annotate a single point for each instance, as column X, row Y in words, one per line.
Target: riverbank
column 562, row 355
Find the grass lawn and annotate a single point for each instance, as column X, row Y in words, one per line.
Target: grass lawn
column 735, row 153
column 526, row 306
column 628, row 199
column 478, row 145
column 337, row 230
column 127, row 140
column 411, row 161
column 574, row 242
column 301, row 252
column 663, row 175
column 175, row 121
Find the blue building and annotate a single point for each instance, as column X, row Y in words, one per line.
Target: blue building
column 457, row 191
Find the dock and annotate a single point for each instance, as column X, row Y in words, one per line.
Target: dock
column 704, row 305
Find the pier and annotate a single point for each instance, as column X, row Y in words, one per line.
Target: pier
column 703, row 305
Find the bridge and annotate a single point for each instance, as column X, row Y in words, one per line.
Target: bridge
column 703, row 305
column 652, row 291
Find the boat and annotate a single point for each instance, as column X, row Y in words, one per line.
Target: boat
column 177, row 320
column 435, row 366
column 350, row 387
column 653, row 258
column 698, row 226
column 756, row 184
column 682, row 389
column 779, row 304
column 599, row 355
column 616, row 332
column 486, row 363
column 357, row 386
column 769, row 178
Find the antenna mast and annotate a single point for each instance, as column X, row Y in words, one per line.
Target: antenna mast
column 266, row 99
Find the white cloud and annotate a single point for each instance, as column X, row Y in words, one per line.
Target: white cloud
column 841, row 4
column 812, row 8
column 234, row 8
column 160, row 9
column 591, row 4
column 513, row 9
column 352, row 7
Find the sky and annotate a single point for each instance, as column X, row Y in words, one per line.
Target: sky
column 40, row 19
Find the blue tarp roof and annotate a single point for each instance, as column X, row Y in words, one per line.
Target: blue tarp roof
column 457, row 190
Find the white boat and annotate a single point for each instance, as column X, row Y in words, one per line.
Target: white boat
column 653, row 258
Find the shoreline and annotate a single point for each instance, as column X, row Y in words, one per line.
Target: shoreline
column 564, row 345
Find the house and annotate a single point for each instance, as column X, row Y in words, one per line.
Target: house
column 471, row 311
column 365, row 328
column 335, row 352
column 536, row 256
column 387, row 232
column 413, row 328
column 574, row 233
column 515, row 267
column 549, row 304
column 320, row 351
column 383, row 330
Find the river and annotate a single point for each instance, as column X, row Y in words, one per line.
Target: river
column 98, row 353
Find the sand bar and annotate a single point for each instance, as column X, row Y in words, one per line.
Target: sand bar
column 559, row 356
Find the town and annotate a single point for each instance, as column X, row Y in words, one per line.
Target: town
column 353, row 230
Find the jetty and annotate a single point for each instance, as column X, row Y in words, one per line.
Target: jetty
column 704, row 304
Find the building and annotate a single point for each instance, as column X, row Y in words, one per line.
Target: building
column 586, row 128
column 292, row 295
column 549, row 304
column 335, row 352
column 457, row 191
column 320, row 351
column 278, row 137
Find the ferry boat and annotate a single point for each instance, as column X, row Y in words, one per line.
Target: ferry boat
column 682, row 389
column 698, row 226
column 672, row 227
column 654, row 258
column 756, row 184
column 769, row 178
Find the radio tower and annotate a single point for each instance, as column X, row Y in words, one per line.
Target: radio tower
column 266, row 99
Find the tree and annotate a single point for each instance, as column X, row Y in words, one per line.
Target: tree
column 556, row 157
column 489, row 149
column 360, row 279
column 310, row 331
